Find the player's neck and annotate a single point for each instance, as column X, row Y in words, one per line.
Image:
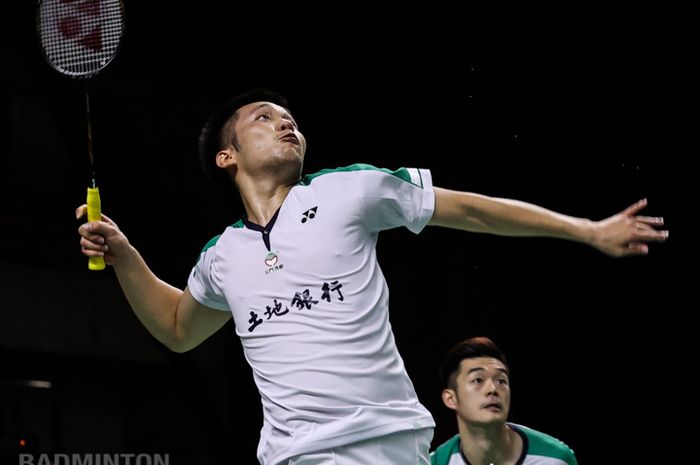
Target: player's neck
column 484, row 445
column 261, row 202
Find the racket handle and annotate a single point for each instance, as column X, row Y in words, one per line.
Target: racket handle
column 94, row 211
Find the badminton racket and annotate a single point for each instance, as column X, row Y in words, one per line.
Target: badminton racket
column 79, row 39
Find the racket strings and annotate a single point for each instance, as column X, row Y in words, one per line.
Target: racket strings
column 81, row 40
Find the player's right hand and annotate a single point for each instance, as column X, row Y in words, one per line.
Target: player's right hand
column 101, row 238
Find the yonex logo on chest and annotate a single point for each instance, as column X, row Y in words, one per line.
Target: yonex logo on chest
column 309, row 214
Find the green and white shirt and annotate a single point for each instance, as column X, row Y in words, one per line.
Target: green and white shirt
column 310, row 305
column 538, row 449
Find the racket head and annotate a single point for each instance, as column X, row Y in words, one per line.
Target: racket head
column 80, row 37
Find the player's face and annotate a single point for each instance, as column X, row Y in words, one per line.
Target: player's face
column 482, row 395
column 267, row 134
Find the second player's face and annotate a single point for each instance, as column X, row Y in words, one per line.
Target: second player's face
column 483, row 391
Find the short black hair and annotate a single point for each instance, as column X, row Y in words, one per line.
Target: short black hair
column 212, row 139
column 469, row 348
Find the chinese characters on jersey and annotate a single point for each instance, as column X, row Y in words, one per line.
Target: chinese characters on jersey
column 303, row 300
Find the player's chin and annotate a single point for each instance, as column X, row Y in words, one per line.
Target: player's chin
column 293, row 157
column 494, row 416
column 295, row 151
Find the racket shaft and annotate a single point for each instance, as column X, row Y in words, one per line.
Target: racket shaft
column 94, row 211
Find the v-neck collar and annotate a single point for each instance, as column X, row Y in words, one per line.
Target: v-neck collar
column 523, row 453
column 264, row 230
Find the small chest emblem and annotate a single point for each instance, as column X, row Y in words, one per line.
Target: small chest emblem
column 271, row 259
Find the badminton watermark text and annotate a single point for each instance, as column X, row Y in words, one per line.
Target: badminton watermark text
column 94, row 459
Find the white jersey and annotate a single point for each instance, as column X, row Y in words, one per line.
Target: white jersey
column 310, row 305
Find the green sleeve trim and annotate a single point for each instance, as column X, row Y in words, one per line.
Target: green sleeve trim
column 402, row 173
column 210, row 244
column 548, row 446
column 214, row 240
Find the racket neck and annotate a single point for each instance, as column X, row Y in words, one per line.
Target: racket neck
column 89, row 131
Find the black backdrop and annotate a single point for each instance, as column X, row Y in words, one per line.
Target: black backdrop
column 581, row 119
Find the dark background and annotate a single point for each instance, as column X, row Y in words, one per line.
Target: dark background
column 583, row 119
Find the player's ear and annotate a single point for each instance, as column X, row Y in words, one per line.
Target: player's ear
column 225, row 158
column 449, row 398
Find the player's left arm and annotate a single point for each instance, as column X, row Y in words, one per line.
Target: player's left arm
column 625, row 233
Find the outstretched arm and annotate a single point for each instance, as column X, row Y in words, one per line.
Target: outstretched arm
column 171, row 315
column 625, row 233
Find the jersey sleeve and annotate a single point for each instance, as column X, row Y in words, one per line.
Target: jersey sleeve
column 202, row 282
column 403, row 197
column 544, row 445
